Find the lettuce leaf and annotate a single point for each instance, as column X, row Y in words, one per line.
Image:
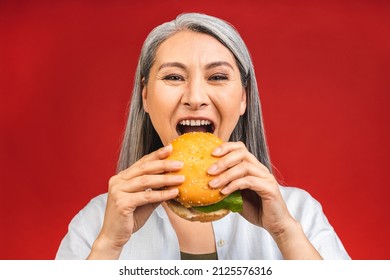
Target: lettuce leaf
column 233, row 202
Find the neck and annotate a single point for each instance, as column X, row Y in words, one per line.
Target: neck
column 193, row 237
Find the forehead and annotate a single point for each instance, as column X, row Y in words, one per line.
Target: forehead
column 190, row 46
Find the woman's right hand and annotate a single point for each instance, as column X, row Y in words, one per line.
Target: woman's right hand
column 133, row 194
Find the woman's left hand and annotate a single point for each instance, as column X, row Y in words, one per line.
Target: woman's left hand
column 238, row 169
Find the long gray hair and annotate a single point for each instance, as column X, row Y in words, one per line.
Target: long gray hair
column 140, row 137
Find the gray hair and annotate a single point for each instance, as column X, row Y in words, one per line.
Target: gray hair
column 140, row 137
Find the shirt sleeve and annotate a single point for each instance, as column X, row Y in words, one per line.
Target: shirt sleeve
column 316, row 226
column 82, row 231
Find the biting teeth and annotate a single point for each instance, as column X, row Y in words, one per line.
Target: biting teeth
column 195, row 122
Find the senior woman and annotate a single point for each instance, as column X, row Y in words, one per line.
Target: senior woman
column 197, row 67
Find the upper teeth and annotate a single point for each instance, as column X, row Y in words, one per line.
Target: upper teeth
column 195, row 122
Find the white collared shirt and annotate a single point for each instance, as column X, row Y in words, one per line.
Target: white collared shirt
column 235, row 238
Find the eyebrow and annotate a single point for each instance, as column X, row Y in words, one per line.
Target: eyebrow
column 219, row 63
column 208, row 66
column 172, row 64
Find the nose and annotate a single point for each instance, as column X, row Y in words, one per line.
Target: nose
column 195, row 96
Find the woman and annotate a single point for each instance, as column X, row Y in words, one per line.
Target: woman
column 197, row 68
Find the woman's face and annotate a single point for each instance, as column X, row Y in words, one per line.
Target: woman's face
column 194, row 85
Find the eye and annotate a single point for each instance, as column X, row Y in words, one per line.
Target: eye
column 218, row 77
column 173, row 78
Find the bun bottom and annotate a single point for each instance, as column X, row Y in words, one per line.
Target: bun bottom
column 194, row 215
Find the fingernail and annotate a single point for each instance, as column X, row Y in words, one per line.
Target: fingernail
column 225, row 190
column 167, row 148
column 179, row 178
column 173, row 191
column 214, row 182
column 177, row 164
column 212, row 169
column 217, row 151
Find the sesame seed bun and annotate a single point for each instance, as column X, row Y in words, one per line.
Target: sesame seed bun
column 194, row 149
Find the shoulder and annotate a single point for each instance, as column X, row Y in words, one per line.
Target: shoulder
column 308, row 211
column 92, row 214
column 89, row 219
column 293, row 193
column 95, row 208
column 83, row 229
column 303, row 207
column 97, row 203
column 299, row 199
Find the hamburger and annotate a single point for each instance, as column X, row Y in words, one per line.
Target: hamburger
column 196, row 200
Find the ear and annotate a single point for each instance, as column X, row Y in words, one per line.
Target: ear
column 243, row 102
column 144, row 96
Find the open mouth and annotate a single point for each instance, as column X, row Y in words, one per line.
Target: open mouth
column 186, row 126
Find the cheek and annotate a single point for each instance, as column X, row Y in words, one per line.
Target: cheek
column 158, row 110
column 230, row 110
column 230, row 106
column 154, row 98
column 161, row 105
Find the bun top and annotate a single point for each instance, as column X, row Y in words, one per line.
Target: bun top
column 194, row 149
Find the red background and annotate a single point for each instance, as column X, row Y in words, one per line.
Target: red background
column 66, row 73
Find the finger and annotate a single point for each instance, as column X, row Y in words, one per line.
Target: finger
column 266, row 188
column 148, row 197
column 156, row 155
column 238, row 171
column 233, row 157
column 227, row 161
column 144, row 182
column 160, row 153
column 150, row 167
column 153, row 167
column 227, row 147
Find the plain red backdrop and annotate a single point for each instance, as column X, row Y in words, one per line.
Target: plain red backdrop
column 66, row 74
